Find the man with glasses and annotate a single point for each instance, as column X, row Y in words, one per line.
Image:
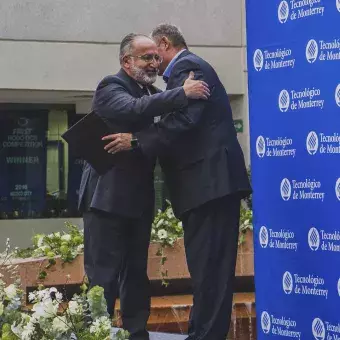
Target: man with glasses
column 206, row 177
column 118, row 206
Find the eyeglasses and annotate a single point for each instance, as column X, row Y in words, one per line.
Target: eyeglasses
column 149, row 58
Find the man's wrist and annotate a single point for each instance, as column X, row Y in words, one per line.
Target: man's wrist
column 134, row 142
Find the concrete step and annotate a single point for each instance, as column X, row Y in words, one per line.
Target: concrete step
column 170, row 314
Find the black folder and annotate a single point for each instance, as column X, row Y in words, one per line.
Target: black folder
column 85, row 141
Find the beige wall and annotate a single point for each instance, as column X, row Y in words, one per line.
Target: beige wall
column 204, row 23
column 79, row 66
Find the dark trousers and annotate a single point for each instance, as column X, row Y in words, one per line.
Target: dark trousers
column 211, row 240
column 115, row 258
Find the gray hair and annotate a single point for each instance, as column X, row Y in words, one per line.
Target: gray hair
column 126, row 46
column 172, row 32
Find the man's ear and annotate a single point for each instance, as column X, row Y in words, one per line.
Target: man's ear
column 126, row 62
column 166, row 42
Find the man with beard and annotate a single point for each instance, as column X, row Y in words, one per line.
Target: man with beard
column 118, row 206
column 206, row 177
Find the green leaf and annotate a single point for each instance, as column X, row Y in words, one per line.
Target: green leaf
column 163, row 260
column 42, row 275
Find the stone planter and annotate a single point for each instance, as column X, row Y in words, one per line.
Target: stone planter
column 58, row 274
column 73, row 273
column 176, row 265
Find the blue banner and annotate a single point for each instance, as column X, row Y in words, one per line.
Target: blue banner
column 293, row 51
column 23, row 162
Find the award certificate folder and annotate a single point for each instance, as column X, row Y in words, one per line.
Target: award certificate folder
column 85, row 141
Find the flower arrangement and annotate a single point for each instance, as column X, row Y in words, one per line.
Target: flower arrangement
column 68, row 245
column 10, row 296
column 52, row 317
column 166, row 228
column 85, row 317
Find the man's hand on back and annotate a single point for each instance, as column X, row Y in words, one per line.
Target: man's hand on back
column 196, row 89
column 119, row 142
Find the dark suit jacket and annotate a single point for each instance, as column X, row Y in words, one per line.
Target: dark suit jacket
column 198, row 147
column 127, row 189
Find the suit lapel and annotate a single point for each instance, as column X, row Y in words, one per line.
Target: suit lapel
column 154, row 89
column 132, row 84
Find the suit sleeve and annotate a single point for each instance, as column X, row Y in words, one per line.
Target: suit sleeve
column 154, row 139
column 114, row 101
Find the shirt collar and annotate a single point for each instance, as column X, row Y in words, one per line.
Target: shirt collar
column 167, row 72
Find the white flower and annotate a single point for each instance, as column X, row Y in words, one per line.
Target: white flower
column 31, row 297
column 74, row 253
column 160, row 222
column 40, row 241
column 60, row 325
column 153, row 232
column 43, row 294
column 11, row 291
column 80, row 248
column 103, row 324
column 28, row 331
column 74, row 308
column 25, row 330
column 53, row 290
column 57, row 235
column 170, row 213
column 180, row 224
column 39, row 310
column 59, row 297
column 1, row 308
column 46, row 309
column 66, row 238
column 162, row 234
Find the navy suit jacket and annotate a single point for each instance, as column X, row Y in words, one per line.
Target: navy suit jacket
column 127, row 189
column 197, row 146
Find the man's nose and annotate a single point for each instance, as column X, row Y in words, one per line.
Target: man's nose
column 154, row 63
